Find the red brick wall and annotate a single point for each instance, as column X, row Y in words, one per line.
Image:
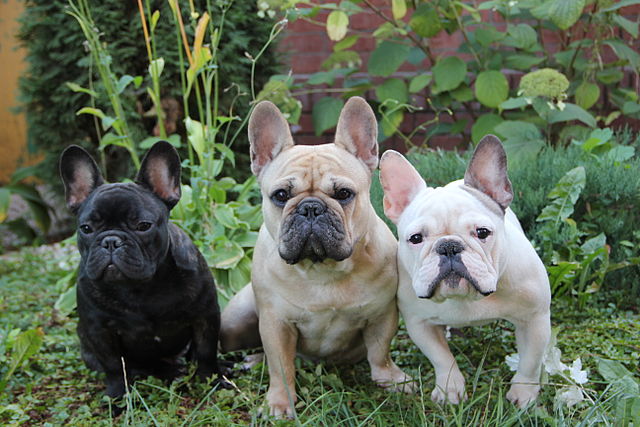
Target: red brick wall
column 306, row 45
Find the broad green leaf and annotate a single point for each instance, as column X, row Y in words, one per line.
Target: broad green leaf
column 419, row 82
column 513, row 103
column 522, row 140
column 425, row 21
column 389, row 122
column 597, row 138
column 623, row 51
column 630, row 27
column 587, row 94
column 398, row 8
column 516, row 129
column 521, row 36
column 225, row 216
column 66, row 302
column 5, row 201
column 337, row 24
column 491, row 88
column 522, row 150
column 449, row 72
column 522, row 62
column 484, row 125
column 621, row 153
column 341, row 58
column 416, row 56
column 542, row 10
column 25, row 345
column 620, row 4
column 486, row 36
column 195, row 135
column 462, row 93
column 77, row 88
column 630, row 107
column 226, row 254
column 325, row 114
column 124, row 82
column 609, row 75
column 346, row 43
column 156, row 67
column 111, row 138
column 572, row 112
column 621, row 379
column 564, row 196
column 565, row 13
column 392, row 89
column 387, row 58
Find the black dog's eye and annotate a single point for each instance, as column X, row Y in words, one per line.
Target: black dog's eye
column 86, row 229
column 483, row 233
column 143, row 226
column 343, row 195
column 280, row 197
column 416, row 238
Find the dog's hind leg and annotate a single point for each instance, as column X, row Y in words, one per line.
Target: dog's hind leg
column 239, row 324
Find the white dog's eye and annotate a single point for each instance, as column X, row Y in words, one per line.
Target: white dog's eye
column 280, row 197
column 483, row 233
column 416, row 238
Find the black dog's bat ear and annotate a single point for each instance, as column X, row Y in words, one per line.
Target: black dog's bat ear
column 160, row 172
column 80, row 175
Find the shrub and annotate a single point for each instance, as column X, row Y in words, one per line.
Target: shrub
column 57, row 54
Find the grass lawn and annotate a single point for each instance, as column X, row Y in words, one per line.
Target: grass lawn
column 55, row 388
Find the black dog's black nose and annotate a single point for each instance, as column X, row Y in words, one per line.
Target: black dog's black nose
column 449, row 248
column 111, row 242
column 311, row 207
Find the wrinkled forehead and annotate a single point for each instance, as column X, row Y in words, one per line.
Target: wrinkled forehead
column 317, row 166
column 118, row 201
column 444, row 210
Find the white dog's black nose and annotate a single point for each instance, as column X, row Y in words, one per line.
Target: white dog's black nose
column 311, row 207
column 449, row 248
column 111, row 242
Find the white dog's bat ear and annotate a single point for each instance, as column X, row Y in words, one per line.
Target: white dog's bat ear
column 357, row 131
column 160, row 172
column 269, row 134
column 487, row 171
column 400, row 182
column 80, row 175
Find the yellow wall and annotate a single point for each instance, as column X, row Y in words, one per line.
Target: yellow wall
column 13, row 134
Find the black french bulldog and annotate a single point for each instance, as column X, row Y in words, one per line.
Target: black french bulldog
column 145, row 294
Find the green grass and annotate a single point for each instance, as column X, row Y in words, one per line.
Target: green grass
column 55, row 388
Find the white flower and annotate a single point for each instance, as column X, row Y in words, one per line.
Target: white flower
column 512, row 361
column 570, row 395
column 576, row 373
column 552, row 363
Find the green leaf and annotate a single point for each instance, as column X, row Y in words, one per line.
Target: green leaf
column 77, row 88
column 25, row 345
column 522, row 140
column 492, row 88
column 587, row 94
column 390, row 121
column 621, row 153
column 627, row 25
column 487, row 36
column 630, row 107
column 5, row 201
column 387, row 58
column 419, row 82
column 226, row 254
column 597, row 138
column 225, row 216
column 449, row 72
column 521, row 36
column 609, row 75
column 398, row 8
column 156, row 67
column 425, row 21
column 620, row 378
column 393, row 88
column 66, row 302
column 337, row 24
column 519, row 151
column 620, row 4
column 93, row 111
column 462, row 93
column 484, row 125
column 564, row 196
column 154, row 20
column 325, row 114
column 565, row 13
column 623, row 51
column 522, row 62
column 195, row 136
column 346, row 43
column 124, row 82
column 513, row 103
column 572, row 112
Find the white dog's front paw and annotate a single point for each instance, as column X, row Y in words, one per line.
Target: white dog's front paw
column 393, row 379
column 523, row 394
column 279, row 404
column 449, row 389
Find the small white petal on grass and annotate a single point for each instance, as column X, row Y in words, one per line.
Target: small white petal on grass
column 552, row 363
column 576, row 373
column 570, row 395
column 512, row 361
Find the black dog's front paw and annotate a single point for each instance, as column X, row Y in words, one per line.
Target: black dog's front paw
column 115, row 387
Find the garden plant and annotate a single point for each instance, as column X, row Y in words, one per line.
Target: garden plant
column 560, row 112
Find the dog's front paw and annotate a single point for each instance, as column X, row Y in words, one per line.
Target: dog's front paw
column 393, row 379
column 449, row 389
column 522, row 394
column 279, row 404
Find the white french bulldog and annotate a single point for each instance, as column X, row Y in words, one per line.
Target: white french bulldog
column 463, row 259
